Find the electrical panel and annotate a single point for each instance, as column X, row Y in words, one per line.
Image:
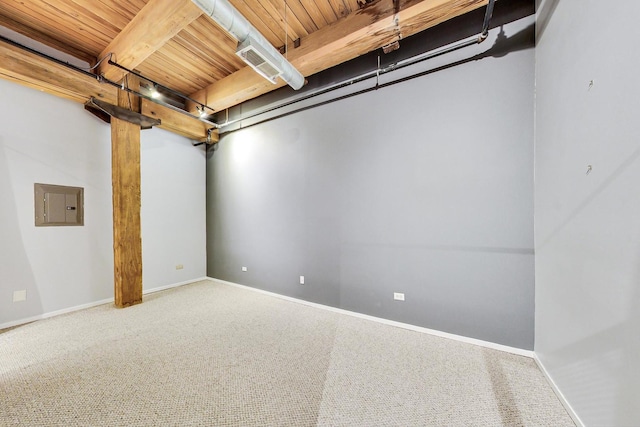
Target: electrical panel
column 58, row 205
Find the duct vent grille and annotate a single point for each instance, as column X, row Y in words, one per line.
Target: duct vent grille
column 259, row 60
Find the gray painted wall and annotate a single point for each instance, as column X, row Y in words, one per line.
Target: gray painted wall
column 587, row 227
column 425, row 188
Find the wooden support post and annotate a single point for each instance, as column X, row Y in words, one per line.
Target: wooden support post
column 125, row 170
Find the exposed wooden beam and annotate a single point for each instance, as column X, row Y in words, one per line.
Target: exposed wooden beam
column 40, row 73
column 43, row 74
column 45, row 39
column 156, row 23
column 371, row 28
column 178, row 123
column 358, row 33
column 125, row 176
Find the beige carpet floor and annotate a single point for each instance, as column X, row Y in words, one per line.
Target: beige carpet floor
column 209, row 354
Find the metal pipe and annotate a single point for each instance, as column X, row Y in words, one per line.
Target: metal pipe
column 430, row 54
column 167, row 105
column 102, row 79
column 375, row 73
column 487, row 18
column 168, row 89
column 228, row 17
column 51, row 58
column 360, row 78
column 332, row 100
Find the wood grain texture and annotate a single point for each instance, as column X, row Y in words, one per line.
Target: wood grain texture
column 127, row 234
column 371, row 28
column 148, row 31
column 360, row 32
column 173, row 43
column 84, row 25
column 247, row 9
column 40, row 73
column 191, row 61
column 285, row 18
column 31, row 70
column 180, row 124
column 46, row 39
column 340, row 8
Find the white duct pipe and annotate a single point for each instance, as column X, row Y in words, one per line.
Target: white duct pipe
column 228, row 17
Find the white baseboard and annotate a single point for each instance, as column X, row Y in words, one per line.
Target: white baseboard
column 173, row 285
column 481, row 343
column 576, row 419
column 54, row 313
column 91, row 304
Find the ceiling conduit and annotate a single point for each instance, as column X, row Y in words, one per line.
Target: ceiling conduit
column 481, row 37
column 253, row 47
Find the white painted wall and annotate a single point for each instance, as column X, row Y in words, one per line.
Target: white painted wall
column 50, row 140
column 173, row 209
column 587, row 227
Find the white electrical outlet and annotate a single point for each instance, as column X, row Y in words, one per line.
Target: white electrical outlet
column 302, row 280
column 244, row 268
column 179, row 267
column 398, row 296
column 19, row 295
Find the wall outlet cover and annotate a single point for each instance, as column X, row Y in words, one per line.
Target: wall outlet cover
column 19, row 295
column 244, row 268
column 302, row 280
column 398, row 296
column 179, row 267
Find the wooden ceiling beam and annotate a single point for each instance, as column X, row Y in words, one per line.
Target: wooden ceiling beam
column 156, row 23
column 177, row 123
column 32, row 70
column 358, row 33
column 43, row 38
column 28, row 69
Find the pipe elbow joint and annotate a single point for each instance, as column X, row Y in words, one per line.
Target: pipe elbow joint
column 293, row 77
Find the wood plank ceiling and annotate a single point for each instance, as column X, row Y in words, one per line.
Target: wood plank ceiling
column 173, row 43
